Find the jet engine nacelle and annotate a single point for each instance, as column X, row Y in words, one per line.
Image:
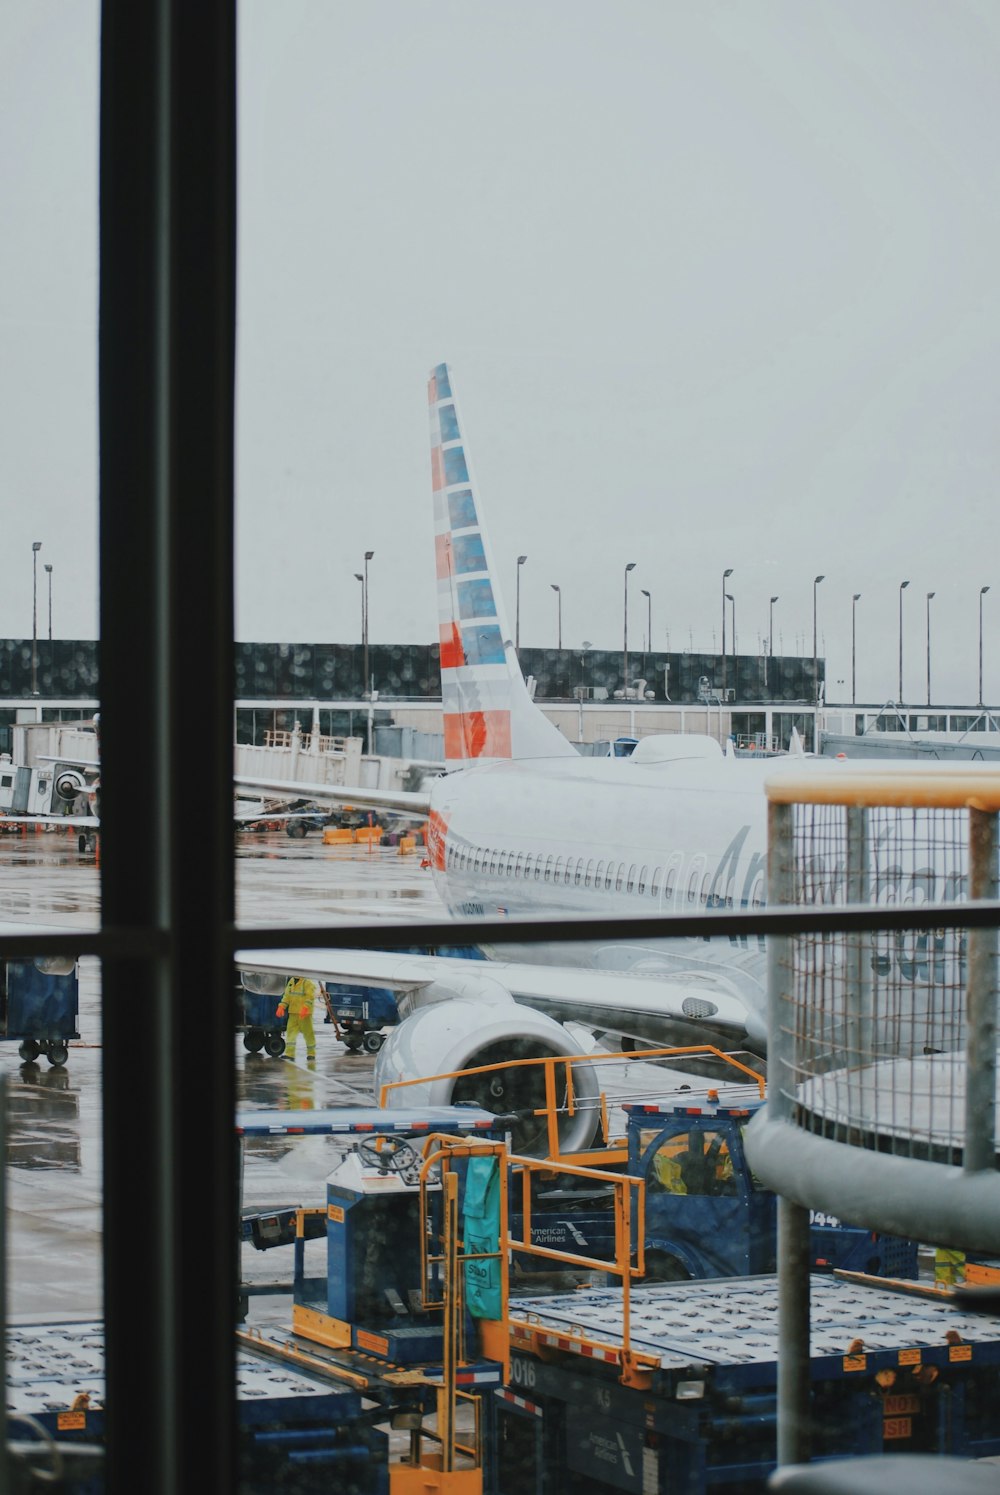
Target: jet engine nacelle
column 68, row 784
column 467, row 1032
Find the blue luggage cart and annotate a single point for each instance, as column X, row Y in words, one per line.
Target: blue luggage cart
column 38, row 1010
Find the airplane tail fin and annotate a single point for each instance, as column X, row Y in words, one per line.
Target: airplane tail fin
column 488, row 713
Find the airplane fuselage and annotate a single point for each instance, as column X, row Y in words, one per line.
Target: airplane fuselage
column 603, row 837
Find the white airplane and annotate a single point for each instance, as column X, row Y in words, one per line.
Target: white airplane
column 522, row 825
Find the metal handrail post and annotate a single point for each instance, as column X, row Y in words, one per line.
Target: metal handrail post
column 781, row 1026
column 793, row 1220
column 981, row 1002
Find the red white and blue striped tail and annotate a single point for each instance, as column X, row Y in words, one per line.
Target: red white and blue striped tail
column 488, row 713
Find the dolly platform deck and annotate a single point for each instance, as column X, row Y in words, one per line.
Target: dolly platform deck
column 683, row 1324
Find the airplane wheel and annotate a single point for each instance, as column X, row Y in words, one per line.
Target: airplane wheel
column 253, row 1039
column 58, row 1054
column 275, row 1045
column 29, row 1050
column 372, row 1041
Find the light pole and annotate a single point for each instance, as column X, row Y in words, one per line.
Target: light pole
column 732, row 601
column 770, row 645
column 854, row 608
column 816, row 582
column 368, row 556
column 558, row 610
column 517, row 611
column 982, row 594
column 36, row 546
column 725, row 575
column 649, row 630
column 48, row 568
column 929, row 596
column 628, row 568
column 902, row 588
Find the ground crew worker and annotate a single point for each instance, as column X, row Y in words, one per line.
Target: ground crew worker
column 949, row 1267
column 297, row 1001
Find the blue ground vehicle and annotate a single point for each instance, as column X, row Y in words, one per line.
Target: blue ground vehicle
column 39, row 1009
column 705, row 1215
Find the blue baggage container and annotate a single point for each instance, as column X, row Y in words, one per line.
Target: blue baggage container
column 38, row 1011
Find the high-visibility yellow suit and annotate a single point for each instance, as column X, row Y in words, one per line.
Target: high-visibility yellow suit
column 299, row 995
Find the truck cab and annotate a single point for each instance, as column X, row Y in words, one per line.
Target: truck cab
column 708, row 1216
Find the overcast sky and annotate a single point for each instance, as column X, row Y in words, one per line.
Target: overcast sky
column 717, row 280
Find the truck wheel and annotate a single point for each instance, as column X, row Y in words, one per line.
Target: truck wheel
column 58, row 1054
column 352, row 1045
column 662, row 1267
column 29, row 1050
column 253, row 1039
column 372, row 1041
column 296, row 828
column 275, row 1045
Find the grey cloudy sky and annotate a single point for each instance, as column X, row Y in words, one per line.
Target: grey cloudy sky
column 717, row 281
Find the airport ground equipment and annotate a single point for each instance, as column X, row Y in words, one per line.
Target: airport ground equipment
column 297, row 1430
column 658, row 1388
column 706, row 1214
column 694, row 1408
column 359, row 1015
column 38, row 1010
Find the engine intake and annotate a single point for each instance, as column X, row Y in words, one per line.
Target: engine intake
column 464, row 1034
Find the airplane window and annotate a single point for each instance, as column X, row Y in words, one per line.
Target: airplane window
column 518, row 865
column 643, row 874
column 693, row 887
column 631, row 879
column 6, row 781
column 609, row 876
column 706, row 883
column 548, row 869
column 599, row 876
column 538, row 869
column 557, row 870
column 529, row 862
column 578, row 873
column 589, row 874
column 493, row 864
column 620, row 878
column 654, row 886
column 668, row 885
column 477, row 859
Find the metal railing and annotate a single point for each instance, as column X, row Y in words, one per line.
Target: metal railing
column 882, row 1046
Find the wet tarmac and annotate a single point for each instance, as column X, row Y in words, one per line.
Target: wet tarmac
column 53, row 1218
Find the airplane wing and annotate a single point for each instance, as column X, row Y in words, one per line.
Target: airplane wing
column 405, row 801
column 652, row 1008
